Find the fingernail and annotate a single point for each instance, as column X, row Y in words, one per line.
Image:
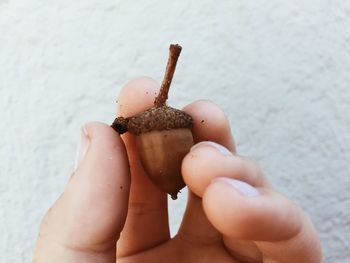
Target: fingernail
column 82, row 147
column 218, row 147
column 241, row 187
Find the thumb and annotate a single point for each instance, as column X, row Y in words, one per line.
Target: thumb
column 85, row 222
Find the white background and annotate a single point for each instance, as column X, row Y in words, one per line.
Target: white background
column 279, row 69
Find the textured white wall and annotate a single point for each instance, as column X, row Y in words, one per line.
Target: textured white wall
column 279, row 69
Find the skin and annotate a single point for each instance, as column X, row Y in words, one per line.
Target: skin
column 105, row 203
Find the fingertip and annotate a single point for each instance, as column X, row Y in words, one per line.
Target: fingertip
column 105, row 162
column 241, row 187
column 95, row 199
column 100, row 131
column 209, row 160
column 136, row 96
column 204, row 162
column 106, row 150
column 239, row 210
column 210, row 123
column 219, row 202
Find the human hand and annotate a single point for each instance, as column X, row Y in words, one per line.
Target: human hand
column 232, row 215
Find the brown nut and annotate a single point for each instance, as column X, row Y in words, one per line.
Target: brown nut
column 161, row 154
column 163, row 135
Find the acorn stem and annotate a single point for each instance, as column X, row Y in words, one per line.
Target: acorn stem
column 174, row 53
column 120, row 125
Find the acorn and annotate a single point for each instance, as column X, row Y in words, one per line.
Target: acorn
column 163, row 135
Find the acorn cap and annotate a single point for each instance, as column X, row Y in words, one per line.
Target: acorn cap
column 154, row 119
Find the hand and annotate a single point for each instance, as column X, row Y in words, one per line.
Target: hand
column 232, row 215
